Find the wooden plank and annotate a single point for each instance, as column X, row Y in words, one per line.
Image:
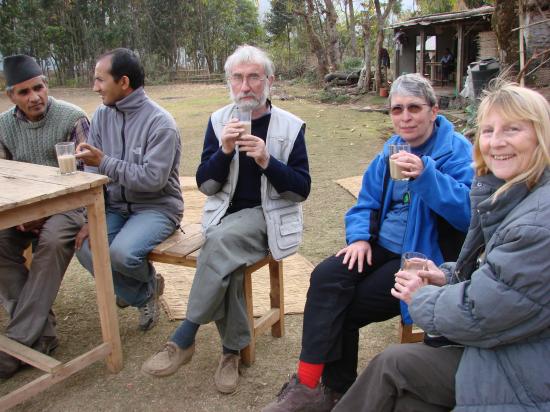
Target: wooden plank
column 46, row 207
column 267, row 320
column 70, row 368
column 248, row 354
column 277, row 295
column 29, row 355
column 104, row 281
column 409, row 335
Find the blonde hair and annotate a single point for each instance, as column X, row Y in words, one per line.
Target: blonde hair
column 517, row 103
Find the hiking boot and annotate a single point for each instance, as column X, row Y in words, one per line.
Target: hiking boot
column 168, row 360
column 296, row 397
column 46, row 344
column 149, row 313
column 227, row 374
column 8, row 365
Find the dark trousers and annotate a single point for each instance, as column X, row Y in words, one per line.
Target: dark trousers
column 406, row 378
column 339, row 303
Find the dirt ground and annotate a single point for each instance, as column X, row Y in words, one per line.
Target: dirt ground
column 341, row 142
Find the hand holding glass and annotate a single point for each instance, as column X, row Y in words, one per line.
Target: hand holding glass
column 395, row 171
column 412, row 262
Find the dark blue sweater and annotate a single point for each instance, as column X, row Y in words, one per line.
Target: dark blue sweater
column 292, row 177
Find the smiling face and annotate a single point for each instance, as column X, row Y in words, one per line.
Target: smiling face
column 507, row 145
column 111, row 91
column 31, row 97
column 414, row 128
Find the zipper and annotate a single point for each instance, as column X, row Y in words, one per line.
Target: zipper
column 122, row 193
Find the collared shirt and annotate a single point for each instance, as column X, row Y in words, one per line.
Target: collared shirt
column 79, row 133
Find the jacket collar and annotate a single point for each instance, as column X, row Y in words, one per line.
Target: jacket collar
column 133, row 102
column 442, row 144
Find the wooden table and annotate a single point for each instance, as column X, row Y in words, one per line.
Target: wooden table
column 29, row 192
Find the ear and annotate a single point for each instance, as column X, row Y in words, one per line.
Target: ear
column 125, row 83
column 10, row 96
column 270, row 80
column 435, row 111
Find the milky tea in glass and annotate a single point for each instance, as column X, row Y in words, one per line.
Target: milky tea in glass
column 413, row 262
column 245, row 118
column 395, row 171
column 66, row 158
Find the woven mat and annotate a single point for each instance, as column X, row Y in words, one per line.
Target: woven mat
column 351, row 184
column 178, row 279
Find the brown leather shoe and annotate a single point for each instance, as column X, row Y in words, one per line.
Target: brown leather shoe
column 8, row 365
column 227, row 374
column 296, row 397
column 168, row 360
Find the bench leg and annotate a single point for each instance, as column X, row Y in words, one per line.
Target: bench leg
column 277, row 296
column 409, row 335
column 248, row 354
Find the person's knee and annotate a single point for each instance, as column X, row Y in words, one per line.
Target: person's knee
column 123, row 260
column 325, row 273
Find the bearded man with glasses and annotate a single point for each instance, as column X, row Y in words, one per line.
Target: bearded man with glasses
column 353, row 288
column 255, row 183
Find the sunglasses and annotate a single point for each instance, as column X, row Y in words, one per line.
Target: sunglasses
column 411, row 108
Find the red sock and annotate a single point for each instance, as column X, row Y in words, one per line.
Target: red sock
column 309, row 374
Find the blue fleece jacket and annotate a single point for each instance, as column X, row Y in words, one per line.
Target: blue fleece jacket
column 442, row 189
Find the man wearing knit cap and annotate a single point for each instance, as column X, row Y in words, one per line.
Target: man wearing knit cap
column 28, row 133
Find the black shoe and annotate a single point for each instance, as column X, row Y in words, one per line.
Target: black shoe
column 121, row 303
column 8, row 365
column 46, row 344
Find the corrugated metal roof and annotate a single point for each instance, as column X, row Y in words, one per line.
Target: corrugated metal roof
column 444, row 17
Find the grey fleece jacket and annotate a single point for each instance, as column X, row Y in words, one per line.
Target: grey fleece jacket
column 142, row 150
column 500, row 310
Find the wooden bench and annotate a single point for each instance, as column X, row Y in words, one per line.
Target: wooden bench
column 182, row 248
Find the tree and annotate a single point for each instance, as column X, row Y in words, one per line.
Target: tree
column 505, row 18
column 280, row 20
column 332, row 35
column 381, row 18
column 352, row 36
column 316, row 46
column 363, row 85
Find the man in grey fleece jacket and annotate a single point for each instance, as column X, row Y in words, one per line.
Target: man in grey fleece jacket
column 136, row 144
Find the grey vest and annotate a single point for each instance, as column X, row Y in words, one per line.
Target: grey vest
column 283, row 217
column 34, row 142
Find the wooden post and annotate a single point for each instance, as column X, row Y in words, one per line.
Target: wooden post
column 422, row 50
column 103, row 280
column 459, row 57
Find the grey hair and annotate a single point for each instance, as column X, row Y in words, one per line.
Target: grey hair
column 9, row 89
column 249, row 54
column 413, row 85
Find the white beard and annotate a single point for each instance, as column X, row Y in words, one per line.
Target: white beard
column 252, row 104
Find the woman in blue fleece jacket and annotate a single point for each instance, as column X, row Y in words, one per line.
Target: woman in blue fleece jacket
column 352, row 289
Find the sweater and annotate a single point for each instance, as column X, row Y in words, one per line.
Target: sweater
column 34, row 142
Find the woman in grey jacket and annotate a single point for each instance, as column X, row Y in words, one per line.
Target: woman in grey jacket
column 490, row 309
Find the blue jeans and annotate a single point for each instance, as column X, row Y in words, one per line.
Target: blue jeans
column 131, row 237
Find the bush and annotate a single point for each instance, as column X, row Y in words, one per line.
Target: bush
column 352, row 63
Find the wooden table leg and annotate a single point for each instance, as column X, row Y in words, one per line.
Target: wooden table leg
column 104, row 280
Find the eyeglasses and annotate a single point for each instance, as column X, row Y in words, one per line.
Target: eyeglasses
column 253, row 80
column 413, row 108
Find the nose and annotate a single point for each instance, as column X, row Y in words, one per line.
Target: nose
column 497, row 139
column 95, row 87
column 34, row 97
